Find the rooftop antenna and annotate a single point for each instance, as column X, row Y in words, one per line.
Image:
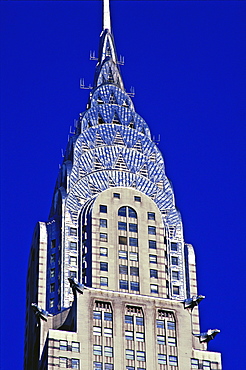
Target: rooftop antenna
column 106, row 16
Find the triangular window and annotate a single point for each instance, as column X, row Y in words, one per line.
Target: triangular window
column 98, row 140
column 112, row 99
column 144, row 171
column 138, row 146
column 120, row 164
column 100, row 119
column 97, row 164
column 125, row 104
column 152, row 157
column 99, row 100
column 118, row 140
column 116, row 119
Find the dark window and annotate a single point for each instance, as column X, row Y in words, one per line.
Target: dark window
column 152, row 230
column 151, row 216
column 108, row 316
column 133, row 228
column 117, row 195
column 175, row 260
column 122, row 240
column 139, row 320
column 124, row 284
column 53, row 243
column 173, row 360
column 103, row 237
column 97, row 365
column 128, row 319
column 52, row 302
column 97, row 315
column 74, row 363
column 52, row 287
column 175, row 275
column 133, row 242
column 103, row 266
column 171, row 325
column 154, row 273
column 53, row 258
column 137, row 199
column 103, row 222
column 103, row 209
column 123, row 269
column 52, row 273
column 122, row 225
column 135, row 286
column 73, row 274
column 109, row 367
column 73, row 231
column 122, row 212
column 152, row 244
column 174, row 246
column 123, row 255
column 134, row 271
column 160, row 324
column 73, row 246
column 132, row 213
column 176, row 290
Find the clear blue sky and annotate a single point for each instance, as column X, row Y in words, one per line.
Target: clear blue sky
column 186, row 61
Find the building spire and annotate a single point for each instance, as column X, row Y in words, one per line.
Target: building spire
column 106, row 16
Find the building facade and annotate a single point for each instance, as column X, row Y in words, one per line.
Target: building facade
column 111, row 282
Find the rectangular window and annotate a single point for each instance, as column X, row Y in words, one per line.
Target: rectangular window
column 124, row 284
column 194, row 363
column 133, row 242
column 103, row 266
column 73, row 261
column 52, row 302
column 152, row 244
column 53, row 258
column 206, row 365
column 108, row 316
column 122, row 225
column 139, row 320
column 133, row 256
column 63, row 362
column 130, row 368
column 73, row 246
column 151, row 216
column 108, row 351
column 134, row 286
column 132, row 213
column 117, row 195
column 140, row 337
column 175, row 275
column 108, row 332
column 63, row 345
column 103, row 281
column 153, row 273
column 73, row 231
column 173, row 360
column 174, row 247
column 128, row 319
column 134, row 271
column 123, row 269
column 103, row 222
column 137, row 199
column 176, row 290
column 152, row 258
column 52, row 287
column 97, row 330
column 171, row 341
column 161, row 339
column 129, row 335
column 53, row 243
column 74, row 363
column 73, row 274
column 160, row 324
column 97, row 350
column 175, row 260
column 109, row 367
column 152, row 230
column 130, row 354
column 103, row 209
column 140, row 356
column 122, row 240
column 123, row 255
column 162, row 359
column 97, row 366
column 104, row 251
column 154, row 288
column 75, row 347
column 52, row 273
column 171, row 325
column 103, row 237
column 97, row 315
column 133, row 228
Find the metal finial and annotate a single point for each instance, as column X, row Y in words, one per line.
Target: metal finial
column 106, row 16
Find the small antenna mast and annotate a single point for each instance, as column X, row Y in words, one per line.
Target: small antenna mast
column 106, row 16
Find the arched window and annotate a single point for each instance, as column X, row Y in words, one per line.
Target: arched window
column 123, row 211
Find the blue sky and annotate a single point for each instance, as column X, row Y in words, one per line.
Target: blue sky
column 186, row 60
